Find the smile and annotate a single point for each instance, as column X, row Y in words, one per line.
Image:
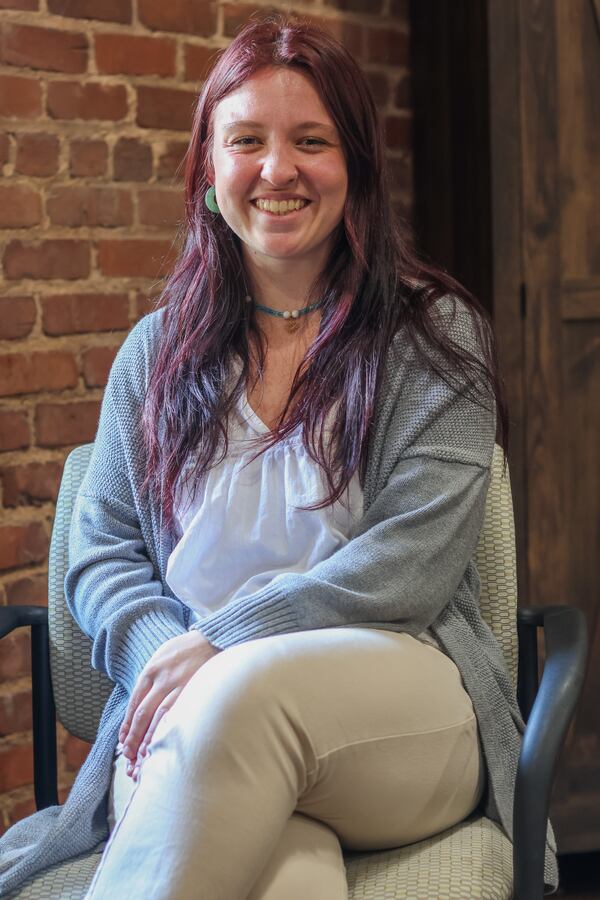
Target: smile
column 280, row 207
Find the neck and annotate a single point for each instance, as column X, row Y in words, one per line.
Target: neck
column 280, row 284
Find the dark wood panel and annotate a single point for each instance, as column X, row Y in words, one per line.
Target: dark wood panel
column 547, row 552
column 576, row 305
column 578, row 64
column 506, row 227
column 451, row 139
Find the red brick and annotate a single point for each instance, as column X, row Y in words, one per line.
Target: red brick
column 400, row 172
column 399, row 9
column 47, row 259
column 22, row 808
column 135, row 258
column 171, row 161
column 96, row 365
column 104, row 10
column 4, row 148
column 20, row 97
column 199, row 61
column 88, row 158
column 379, row 87
column 29, row 590
column 350, row 34
column 30, row 484
column 78, row 313
column 16, row 766
column 145, row 303
column 14, row 431
column 93, row 206
column 76, row 751
column 387, row 47
column 131, row 55
column 161, row 208
column 236, row 15
column 402, row 96
column 26, row 373
column 37, row 154
column 132, row 160
column 188, row 16
column 66, row 424
column 170, row 108
column 44, row 48
column 398, row 132
column 21, row 545
column 358, row 6
column 72, row 100
column 15, row 712
column 19, row 4
column 15, row 659
column 17, row 317
column 20, row 206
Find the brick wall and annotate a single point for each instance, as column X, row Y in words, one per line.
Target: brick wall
column 96, row 106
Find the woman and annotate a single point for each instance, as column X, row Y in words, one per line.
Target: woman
column 272, row 548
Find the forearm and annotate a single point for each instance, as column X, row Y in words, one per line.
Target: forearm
column 114, row 592
column 404, row 566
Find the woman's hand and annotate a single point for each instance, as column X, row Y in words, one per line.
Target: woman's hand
column 159, row 684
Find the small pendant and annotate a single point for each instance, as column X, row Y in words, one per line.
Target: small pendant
column 292, row 325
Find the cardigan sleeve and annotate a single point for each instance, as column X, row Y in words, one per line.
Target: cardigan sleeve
column 113, row 586
column 416, row 543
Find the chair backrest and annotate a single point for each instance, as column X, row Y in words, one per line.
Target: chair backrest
column 81, row 692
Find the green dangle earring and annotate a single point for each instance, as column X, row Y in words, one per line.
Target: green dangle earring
column 210, row 199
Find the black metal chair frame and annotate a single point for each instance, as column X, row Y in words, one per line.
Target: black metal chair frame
column 547, row 708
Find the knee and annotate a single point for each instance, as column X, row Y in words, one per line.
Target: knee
column 241, row 681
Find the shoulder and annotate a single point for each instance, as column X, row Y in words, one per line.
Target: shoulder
column 133, row 362
column 427, row 404
column 451, row 316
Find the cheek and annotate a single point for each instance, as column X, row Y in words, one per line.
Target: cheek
column 234, row 173
column 334, row 180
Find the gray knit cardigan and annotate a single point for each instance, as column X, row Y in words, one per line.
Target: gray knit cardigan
column 407, row 567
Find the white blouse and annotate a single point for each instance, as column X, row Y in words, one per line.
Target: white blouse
column 240, row 529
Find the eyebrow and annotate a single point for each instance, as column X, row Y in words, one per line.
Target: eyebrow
column 249, row 123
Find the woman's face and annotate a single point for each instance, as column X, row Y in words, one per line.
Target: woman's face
column 274, row 140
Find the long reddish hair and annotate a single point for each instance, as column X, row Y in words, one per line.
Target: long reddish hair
column 372, row 285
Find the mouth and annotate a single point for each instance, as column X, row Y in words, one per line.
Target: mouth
column 280, row 208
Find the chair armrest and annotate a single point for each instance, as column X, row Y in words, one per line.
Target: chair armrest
column 42, row 698
column 12, row 617
column 564, row 670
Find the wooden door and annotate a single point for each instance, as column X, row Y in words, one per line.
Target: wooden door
column 560, row 146
column 506, row 97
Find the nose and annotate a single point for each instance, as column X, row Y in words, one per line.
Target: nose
column 278, row 167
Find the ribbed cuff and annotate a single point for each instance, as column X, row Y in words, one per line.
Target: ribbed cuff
column 143, row 637
column 259, row 615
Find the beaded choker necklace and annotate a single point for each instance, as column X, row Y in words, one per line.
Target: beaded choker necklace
column 291, row 316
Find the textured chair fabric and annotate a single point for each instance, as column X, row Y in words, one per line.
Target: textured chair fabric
column 470, row 860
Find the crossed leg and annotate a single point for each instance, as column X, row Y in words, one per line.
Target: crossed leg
column 283, row 750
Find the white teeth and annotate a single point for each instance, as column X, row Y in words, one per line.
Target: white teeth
column 280, row 206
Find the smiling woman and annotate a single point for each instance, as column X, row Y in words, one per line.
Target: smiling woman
column 272, row 549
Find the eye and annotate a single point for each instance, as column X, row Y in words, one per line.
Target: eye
column 247, row 141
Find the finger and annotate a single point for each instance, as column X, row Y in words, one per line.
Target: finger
column 139, row 725
column 140, row 692
column 163, row 708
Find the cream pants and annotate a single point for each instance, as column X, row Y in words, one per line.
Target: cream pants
column 280, row 752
